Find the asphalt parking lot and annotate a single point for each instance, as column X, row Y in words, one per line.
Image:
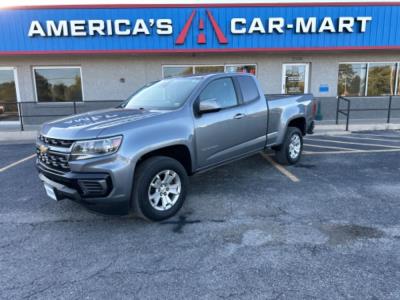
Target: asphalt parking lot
column 327, row 228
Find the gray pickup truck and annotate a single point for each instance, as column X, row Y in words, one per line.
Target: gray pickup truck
column 138, row 157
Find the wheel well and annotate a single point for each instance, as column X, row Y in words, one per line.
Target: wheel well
column 178, row 152
column 300, row 123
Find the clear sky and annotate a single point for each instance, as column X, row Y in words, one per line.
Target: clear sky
column 5, row 3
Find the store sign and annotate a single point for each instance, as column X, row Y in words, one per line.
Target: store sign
column 230, row 28
column 324, row 88
column 120, row 27
column 300, row 25
column 125, row 27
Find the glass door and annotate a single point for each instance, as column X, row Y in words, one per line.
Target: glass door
column 8, row 95
column 295, row 78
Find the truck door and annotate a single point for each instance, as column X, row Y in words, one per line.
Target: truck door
column 256, row 112
column 220, row 135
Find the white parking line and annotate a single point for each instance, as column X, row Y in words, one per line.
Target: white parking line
column 378, row 135
column 353, row 143
column 362, row 138
column 281, row 168
column 347, row 152
column 16, row 163
column 329, row 147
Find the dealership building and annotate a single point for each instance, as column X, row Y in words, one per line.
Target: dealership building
column 64, row 59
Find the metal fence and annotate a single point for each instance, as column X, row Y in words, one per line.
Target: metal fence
column 385, row 104
column 33, row 113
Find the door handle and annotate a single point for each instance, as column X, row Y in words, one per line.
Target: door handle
column 239, row 116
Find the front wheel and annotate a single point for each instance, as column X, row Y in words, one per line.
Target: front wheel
column 290, row 151
column 159, row 188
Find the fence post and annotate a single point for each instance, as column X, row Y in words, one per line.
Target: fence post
column 337, row 109
column 389, row 109
column 74, row 107
column 348, row 115
column 21, row 122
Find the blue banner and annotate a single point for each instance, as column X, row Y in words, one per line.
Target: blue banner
column 199, row 28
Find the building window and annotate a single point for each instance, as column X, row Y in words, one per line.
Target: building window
column 352, row 79
column 368, row 79
column 241, row 69
column 176, row 71
column 7, row 86
column 398, row 79
column 58, row 84
column 8, row 95
column 381, row 79
column 184, row 70
column 208, row 69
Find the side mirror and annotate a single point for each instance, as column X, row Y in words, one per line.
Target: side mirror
column 209, row 105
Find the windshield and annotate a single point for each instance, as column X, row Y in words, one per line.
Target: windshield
column 167, row 94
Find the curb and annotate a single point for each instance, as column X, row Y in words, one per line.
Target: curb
column 18, row 136
column 321, row 129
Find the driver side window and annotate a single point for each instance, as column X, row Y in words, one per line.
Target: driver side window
column 222, row 91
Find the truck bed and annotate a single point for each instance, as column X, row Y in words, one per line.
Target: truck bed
column 273, row 97
column 281, row 107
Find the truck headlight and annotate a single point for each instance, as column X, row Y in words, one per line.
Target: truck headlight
column 95, row 148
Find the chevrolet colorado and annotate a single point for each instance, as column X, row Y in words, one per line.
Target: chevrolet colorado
column 138, row 157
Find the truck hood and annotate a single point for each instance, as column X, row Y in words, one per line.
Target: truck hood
column 90, row 125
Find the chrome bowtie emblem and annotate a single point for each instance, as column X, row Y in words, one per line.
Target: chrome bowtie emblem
column 43, row 149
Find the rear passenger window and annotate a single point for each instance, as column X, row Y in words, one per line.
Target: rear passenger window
column 249, row 88
column 222, row 91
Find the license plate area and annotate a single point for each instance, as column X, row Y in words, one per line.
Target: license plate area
column 50, row 192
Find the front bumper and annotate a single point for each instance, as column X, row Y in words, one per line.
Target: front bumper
column 94, row 190
column 61, row 191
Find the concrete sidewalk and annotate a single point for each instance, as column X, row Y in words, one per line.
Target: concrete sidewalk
column 324, row 128
column 13, row 133
column 321, row 128
column 18, row 136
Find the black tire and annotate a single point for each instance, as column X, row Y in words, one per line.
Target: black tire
column 144, row 175
column 282, row 153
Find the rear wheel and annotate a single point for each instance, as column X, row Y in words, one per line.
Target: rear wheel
column 291, row 149
column 159, row 188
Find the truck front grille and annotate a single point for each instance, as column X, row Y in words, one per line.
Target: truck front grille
column 54, row 160
column 55, row 155
column 55, row 142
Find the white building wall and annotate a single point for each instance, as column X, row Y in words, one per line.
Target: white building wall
column 101, row 74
